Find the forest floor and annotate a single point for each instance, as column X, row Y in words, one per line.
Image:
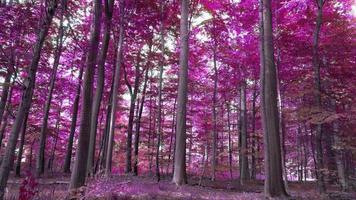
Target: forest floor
column 146, row 187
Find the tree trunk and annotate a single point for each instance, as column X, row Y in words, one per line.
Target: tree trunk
column 274, row 185
column 180, row 175
column 29, row 86
column 73, row 125
column 40, row 160
column 99, row 84
column 254, row 135
column 51, row 158
column 22, row 142
column 4, row 95
column 6, row 114
column 215, row 128
column 119, row 61
column 317, row 85
column 244, row 173
column 161, row 64
column 81, row 157
column 339, row 149
column 133, row 94
column 138, row 124
column 172, row 135
column 229, row 137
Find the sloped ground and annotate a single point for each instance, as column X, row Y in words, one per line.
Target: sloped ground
column 142, row 188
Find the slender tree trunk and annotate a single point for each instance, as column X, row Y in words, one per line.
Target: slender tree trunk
column 22, row 142
column 274, row 185
column 339, row 149
column 81, row 157
column 99, row 84
column 317, row 85
column 172, row 135
column 215, row 128
column 254, row 136
column 73, row 125
column 51, row 158
column 119, row 61
column 282, row 124
column 159, row 117
column 6, row 114
column 4, row 94
column 26, row 97
column 40, row 160
column 133, row 94
column 138, row 124
column 244, row 173
column 180, row 175
column 229, row 137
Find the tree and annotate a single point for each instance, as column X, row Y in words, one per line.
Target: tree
column 108, row 8
column 180, row 174
column 160, row 107
column 40, row 161
column 27, row 95
column 116, row 85
column 274, row 185
column 68, row 157
column 317, row 85
column 80, row 165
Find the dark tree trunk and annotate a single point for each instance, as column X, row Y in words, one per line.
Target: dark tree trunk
column 52, row 157
column 118, row 64
column 133, row 94
column 159, row 117
column 215, row 128
column 244, row 173
column 180, row 175
column 229, row 137
column 317, row 85
column 6, row 114
column 274, row 185
column 22, row 142
column 99, row 84
column 40, row 160
column 138, row 124
column 339, row 150
column 26, row 97
column 254, row 135
column 5, row 94
column 73, row 125
column 81, row 157
column 172, row 135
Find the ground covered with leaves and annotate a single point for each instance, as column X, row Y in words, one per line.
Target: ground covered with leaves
column 146, row 187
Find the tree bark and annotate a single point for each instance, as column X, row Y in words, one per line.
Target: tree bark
column 172, row 135
column 26, row 97
column 317, row 85
column 138, row 124
column 51, row 158
column 339, row 149
column 119, row 61
column 244, row 173
column 215, row 128
column 6, row 114
column 159, row 116
column 230, row 139
column 5, row 94
column 254, row 135
column 180, row 175
column 81, row 157
column 22, row 142
column 73, row 125
column 99, row 84
column 133, row 94
column 274, row 185
column 40, row 160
